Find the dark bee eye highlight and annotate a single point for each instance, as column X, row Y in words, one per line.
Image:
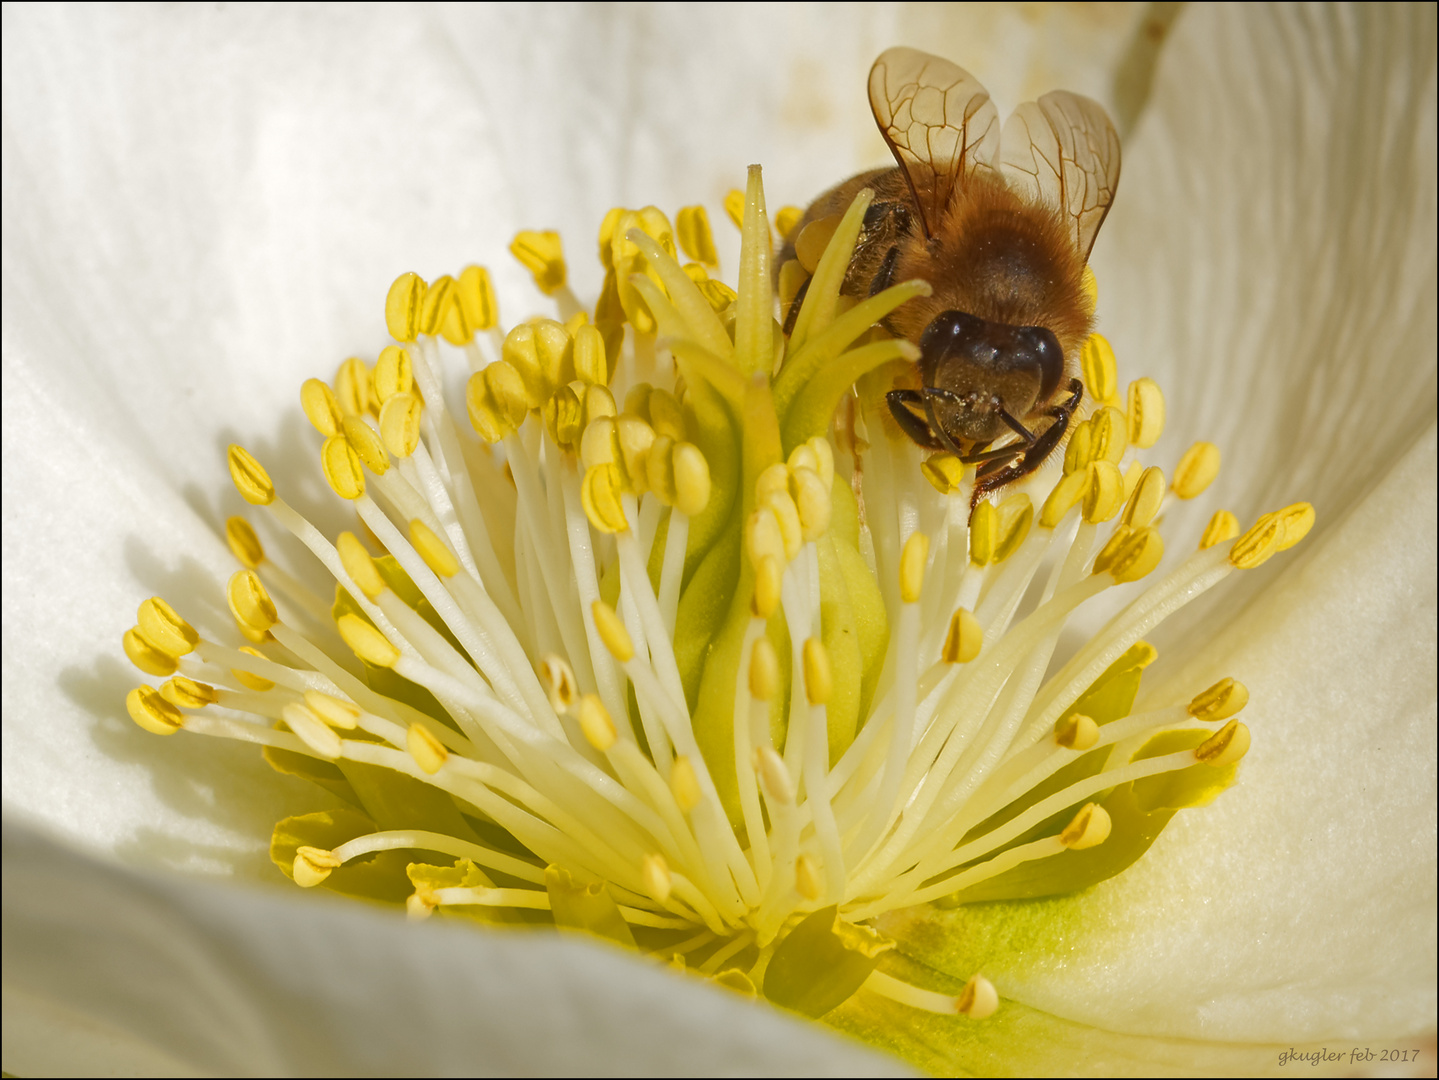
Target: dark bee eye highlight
column 1043, row 346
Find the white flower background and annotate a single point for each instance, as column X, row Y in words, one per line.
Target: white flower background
column 203, row 207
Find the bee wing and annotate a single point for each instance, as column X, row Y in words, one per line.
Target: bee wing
column 1063, row 150
column 938, row 121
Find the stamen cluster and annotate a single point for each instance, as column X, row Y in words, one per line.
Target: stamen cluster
column 669, row 635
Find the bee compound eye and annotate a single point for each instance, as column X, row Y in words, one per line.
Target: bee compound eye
column 948, row 333
column 1043, row 348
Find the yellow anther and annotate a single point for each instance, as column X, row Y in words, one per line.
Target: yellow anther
column 1296, row 520
column 427, row 750
column 768, row 578
column 637, row 400
column 1090, row 828
column 496, row 401
column 774, row 778
column 1196, row 470
column 400, row 424
column 1076, row 732
column 440, row 300
column 1104, row 494
column 555, row 349
column 763, row 670
column 685, row 784
column 818, row 681
column 978, row 1000
column 313, row 865
column 1221, row 701
column 983, row 534
column 719, row 295
column 366, row 442
column 1078, row 452
column 1101, row 376
column 734, row 207
column 1062, row 498
column 600, row 444
column 165, row 629
column 353, row 385
column 692, row 230
column 244, row 543
column 558, row 679
column 341, row 466
column 660, row 470
column 607, row 235
column 1258, row 544
column 665, row 415
column 773, row 481
column 792, row 277
column 1090, row 285
column 1130, row 554
column 1013, row 517
column 333, row 711
column 249, row 477
column 824, row 457
column 786, row 218
column 809, row 245
column 691, row 478
column 152, row 712
column 612, row 632
column 249, row 679
column 321, row 408
column 476, row 297
column 576, row 322
column 186, row 693
column 912, row 561
column 1222, row 526
column 1146, row 413
column 964, row 639
column 436, row 553
column 762, row 536
column 403, row 305
column 249, row 602
column 598, row 402
column 1148, row 495
column 600, row 494
column 944, row 471
column 542, row 254
column 1108, row 437
column 599, row 730
column 312, row 731
column 366, row 641
column 812, row 500
column 521, row 350
column 803, row 457
column 655, row 872
column 808, row 878
column 1225, row 746
column 394, row 373
column 635, row 437
column 787, row 514
column 589, row 356
column 358, row 564
column 1131, row 479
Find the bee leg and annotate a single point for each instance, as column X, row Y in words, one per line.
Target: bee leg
column 884, row 277
column 909, row 423
column 794, row 306
column 1037, row 451
column 1013, row 424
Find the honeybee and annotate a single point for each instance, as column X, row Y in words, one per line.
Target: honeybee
column 1001, row 226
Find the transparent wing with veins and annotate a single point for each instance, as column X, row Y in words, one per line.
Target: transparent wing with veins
column 1063, row 150
column 938, row 121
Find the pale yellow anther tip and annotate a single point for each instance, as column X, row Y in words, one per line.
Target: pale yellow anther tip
column 333, row 711
column 611, row 629
column 244, row 543
column 1258, row 544
column 542, row 254
column 601, row 494
column 1225, row 746
column 1065, row 495
column 685, row 784
column 312, row 731
column 808, row 878
column 1089, row 828
column 320, row 407
column 734, row 207
column 1146, row 498
column 1104, row 494
column 436, row 553
column 979, row 1000
column 248, row 679
column 145, row 656
column 655, row 873
column 692, row 230
column 359, row 565
column 1145, row 413
column 249, row 477
column 912, row 561
column 965, row 638
column 818, row 680
column 313, row 865
column 394, row 373
column 404, row 304
column 186, row 693
column 763, row 670
column 1222, row 526
column 763, row 537
column 1296, row 520
column 1196, row 470
column 366, row 641
column 558, row 679
column 427, row 750
column 944, row 471
column 692, row 479
column 1130, row 554
column 152, row 712
column 165, row 629
column 786, row 218
column 596, row 723
column 768, row 582
column 343, row 469
column 249, row 602
column 400, row 424
column 1221, row 701
column 774, row 778
column 1076, row 732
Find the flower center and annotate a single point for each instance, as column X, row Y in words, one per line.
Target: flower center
column 679, row 641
